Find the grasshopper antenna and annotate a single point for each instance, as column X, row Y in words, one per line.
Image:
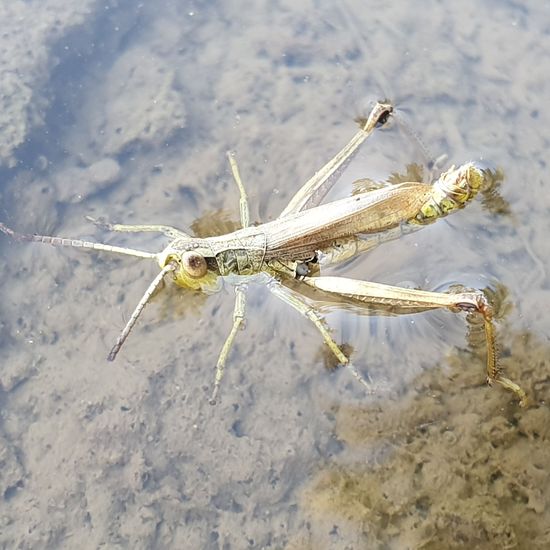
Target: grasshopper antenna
column 139, row 308
column 432, row 162
column 76, row 243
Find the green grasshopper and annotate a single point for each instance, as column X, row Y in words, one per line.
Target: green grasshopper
column 306, row 237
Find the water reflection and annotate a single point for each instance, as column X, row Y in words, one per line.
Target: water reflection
column 445, row 465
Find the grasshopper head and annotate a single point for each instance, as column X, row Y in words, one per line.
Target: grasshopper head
column 196, row 266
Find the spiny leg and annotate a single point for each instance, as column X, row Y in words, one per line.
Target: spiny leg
column 289, row 297
column 238, row 318
column 76, row 243
column 137, row 311
column 240, row 290
column 494, row 372
column 168, row 230
column 243, row 201
column 405, row 300
column 316, row 188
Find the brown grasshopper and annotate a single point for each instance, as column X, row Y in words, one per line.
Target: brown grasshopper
column 304, row 239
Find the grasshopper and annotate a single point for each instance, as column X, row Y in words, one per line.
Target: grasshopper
column 306, row 237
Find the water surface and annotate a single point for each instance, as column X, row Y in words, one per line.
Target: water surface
column 126, row 110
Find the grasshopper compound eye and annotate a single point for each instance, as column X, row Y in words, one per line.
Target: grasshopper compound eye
column 194, row 264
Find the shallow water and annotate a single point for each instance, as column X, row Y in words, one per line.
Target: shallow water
column 126, row 111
